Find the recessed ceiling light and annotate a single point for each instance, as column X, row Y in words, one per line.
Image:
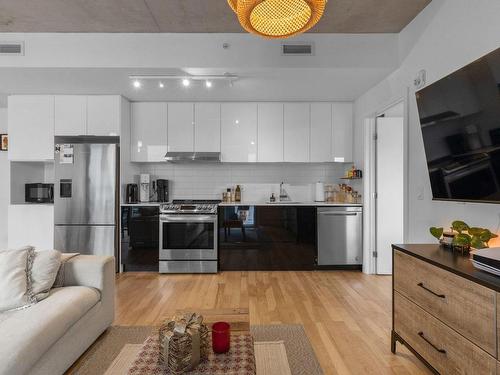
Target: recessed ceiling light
column 161, row 85
column 137, row 84
column 208, row 84
column 185, row 82
column 237, row 122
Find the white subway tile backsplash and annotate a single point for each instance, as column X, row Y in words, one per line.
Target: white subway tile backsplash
column 208, row 181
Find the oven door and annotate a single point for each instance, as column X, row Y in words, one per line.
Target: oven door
column 188, row 237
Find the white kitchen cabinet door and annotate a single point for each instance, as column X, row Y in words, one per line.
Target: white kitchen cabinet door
column 297, row 127
column 270, row 132
column 70, row 114
column 180, row 127
column 342, row 137
column 103, row 115
column 207, row 127
column 149, row 131
column 321, row 132
column 31, row 127
column 31, row 224
column 239, row 132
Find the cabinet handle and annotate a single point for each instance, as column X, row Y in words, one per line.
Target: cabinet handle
column 421, row 334
column 431, row 291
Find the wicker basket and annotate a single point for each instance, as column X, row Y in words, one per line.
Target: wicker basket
column 184, row 342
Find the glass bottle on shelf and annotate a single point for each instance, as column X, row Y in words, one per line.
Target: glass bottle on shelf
column 237, row 194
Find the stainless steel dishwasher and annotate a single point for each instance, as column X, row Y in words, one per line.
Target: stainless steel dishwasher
column 340, row 236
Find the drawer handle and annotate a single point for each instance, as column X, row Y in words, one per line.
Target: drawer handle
column 431, row 291
column 421, row 334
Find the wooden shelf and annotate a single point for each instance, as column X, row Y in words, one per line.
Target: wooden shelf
column 351, row 178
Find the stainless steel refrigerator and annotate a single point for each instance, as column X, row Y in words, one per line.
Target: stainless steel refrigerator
column 86, row 195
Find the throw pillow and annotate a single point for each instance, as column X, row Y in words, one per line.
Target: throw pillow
column 43, row 272
column 15, row 269
column 59, row 282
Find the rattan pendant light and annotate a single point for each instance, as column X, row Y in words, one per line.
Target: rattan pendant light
column 278, row 18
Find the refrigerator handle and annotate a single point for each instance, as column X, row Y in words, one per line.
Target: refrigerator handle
column 51, row 193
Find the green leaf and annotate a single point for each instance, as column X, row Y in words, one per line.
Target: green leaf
column 462, row 239
column 475, row 231
column 459, row 226
column 485, row 235
column 477, row 243
column 436, row 232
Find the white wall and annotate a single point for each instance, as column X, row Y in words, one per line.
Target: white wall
column 447, row 35
column 4, row 183
column 178, row 50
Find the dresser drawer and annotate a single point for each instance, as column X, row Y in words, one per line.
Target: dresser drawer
column 467, row 307
column 443, row 348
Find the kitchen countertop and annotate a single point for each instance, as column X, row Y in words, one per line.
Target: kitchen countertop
column 223, row 204
column 153, row 204
column 316, row 204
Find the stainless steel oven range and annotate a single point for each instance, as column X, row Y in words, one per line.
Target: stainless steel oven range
column 188, row 236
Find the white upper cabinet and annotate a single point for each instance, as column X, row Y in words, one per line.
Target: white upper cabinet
column 70, row 115
column 149, row 131
column 296, row 132
column 270, row 132
column 321, row 132
column 342, row 137
column 180, row 127
column 31, row 127
column 207, row 127
column 103, row 115
column 239, row 132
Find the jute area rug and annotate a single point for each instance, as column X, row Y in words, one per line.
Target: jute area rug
column 288, row 342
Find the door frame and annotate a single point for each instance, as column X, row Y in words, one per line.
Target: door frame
column 369, row 188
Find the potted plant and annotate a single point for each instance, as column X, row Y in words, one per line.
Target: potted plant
column 463, row 236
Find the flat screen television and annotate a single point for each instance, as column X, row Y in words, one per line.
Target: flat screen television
column 460, row 122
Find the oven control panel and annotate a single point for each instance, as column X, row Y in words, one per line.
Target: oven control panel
column 180, row 208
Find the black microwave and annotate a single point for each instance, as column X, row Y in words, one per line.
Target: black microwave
column 39, row 193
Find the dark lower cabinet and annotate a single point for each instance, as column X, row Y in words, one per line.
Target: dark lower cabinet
column 267, row 238
column 140, row 238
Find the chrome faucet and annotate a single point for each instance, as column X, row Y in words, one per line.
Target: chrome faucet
column 283, row 194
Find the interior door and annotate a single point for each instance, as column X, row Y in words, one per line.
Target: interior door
column 390, row 189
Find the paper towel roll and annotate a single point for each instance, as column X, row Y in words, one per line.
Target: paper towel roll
column 320, row 192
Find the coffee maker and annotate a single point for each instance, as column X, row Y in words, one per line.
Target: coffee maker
column 132, row 193
column 144, row 192
column 162, row 190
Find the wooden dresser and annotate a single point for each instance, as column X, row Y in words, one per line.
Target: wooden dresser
column 445, row 310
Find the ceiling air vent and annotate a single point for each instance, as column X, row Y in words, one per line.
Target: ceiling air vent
column 297, row 49
column 11, row 48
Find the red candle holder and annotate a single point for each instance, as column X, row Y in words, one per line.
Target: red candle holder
column 221, row 337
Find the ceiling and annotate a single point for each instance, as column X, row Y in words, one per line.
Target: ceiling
column 262, row 85
column 190, row 16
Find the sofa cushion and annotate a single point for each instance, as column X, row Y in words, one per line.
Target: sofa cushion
column 43, row 272
column 27, row 334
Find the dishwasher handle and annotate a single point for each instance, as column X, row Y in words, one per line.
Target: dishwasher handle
column 338, row 213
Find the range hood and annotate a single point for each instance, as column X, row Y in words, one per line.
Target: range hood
column 190, row 157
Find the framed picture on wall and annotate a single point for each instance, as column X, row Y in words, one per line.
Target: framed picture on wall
column 4, row 142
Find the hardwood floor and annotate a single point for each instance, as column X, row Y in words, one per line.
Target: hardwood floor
column 347, row 315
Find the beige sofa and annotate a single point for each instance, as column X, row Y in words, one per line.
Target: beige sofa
column 48, row 337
